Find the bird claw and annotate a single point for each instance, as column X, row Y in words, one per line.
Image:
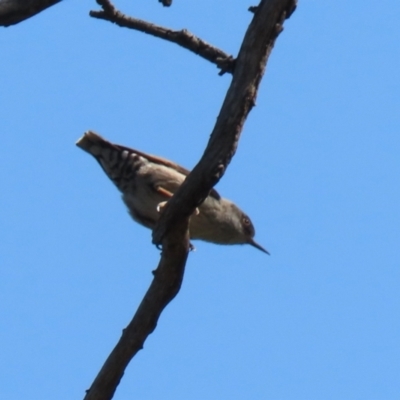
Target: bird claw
column 191, row 247
column 161, row 205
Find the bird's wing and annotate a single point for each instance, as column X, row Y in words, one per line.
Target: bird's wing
column 90, row 138
column 167, row 163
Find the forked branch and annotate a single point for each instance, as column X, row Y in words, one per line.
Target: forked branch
column 258, row 42
column 172, row 229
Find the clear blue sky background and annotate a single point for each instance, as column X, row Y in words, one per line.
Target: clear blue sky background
column 317, row 169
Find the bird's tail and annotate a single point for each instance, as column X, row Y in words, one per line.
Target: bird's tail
column 118, row 163
column 93, row 143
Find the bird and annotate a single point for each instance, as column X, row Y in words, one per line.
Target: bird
column 147, row 182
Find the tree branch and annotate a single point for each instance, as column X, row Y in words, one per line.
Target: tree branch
column 172, row 228
column 240, row 99
column 14, row 11
column 166, row 284
column 183, row 38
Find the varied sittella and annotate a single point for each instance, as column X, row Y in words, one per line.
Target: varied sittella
column 147, row 182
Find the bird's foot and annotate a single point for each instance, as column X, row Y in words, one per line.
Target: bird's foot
column 161, row 206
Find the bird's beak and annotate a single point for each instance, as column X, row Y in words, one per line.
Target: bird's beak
column 257, row 246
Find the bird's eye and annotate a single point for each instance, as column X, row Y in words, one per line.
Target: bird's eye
column 247, row 226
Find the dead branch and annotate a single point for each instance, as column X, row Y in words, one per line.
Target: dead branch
column 183, row 38
column 172, row 228
column 240, row 99
column 14, row 11
column 164, row 287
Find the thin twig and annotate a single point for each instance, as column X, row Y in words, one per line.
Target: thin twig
column 183, row 38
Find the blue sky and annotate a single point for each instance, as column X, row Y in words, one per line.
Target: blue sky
column 317, row 169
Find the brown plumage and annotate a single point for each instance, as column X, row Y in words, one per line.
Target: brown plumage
column 147, row 182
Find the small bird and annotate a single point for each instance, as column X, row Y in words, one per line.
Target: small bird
column 147, row 182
